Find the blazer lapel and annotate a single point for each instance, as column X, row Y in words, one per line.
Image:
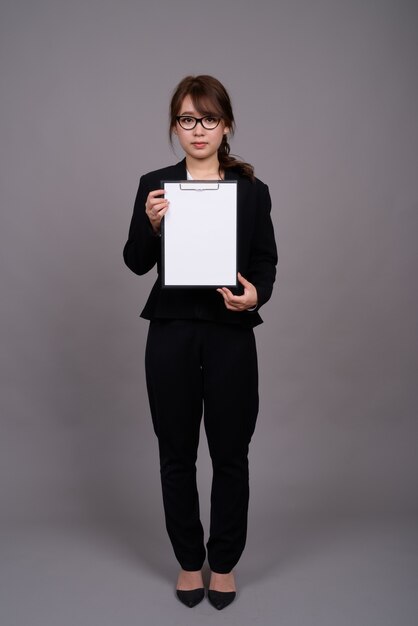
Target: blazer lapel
column 180, row 171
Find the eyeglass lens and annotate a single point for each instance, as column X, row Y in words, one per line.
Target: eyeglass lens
column 188, row 123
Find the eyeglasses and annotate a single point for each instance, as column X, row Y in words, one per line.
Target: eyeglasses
column 188, row 122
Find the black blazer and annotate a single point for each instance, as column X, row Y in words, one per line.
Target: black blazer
column 257, row 253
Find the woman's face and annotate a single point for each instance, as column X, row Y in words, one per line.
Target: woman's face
column 199, row 142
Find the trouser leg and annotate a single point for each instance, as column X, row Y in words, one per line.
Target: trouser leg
column 174, row 382
column 230, row 390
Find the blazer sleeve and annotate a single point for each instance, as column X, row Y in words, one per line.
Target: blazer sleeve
column 142, row 249
column 263, row 256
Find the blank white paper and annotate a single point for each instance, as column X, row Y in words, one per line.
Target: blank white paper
column 200, row 234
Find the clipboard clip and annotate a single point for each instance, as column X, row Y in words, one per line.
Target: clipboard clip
column 207, row 187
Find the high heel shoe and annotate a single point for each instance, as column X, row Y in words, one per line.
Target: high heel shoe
column 191, row 598
column 221, row 599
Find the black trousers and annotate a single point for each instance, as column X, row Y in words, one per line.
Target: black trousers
column 196, row 367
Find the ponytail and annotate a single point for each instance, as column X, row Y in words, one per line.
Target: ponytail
column 227, row 162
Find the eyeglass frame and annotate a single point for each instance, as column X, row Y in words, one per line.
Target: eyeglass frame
column 198, row 119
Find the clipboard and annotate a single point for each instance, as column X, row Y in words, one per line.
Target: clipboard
column 199, row 234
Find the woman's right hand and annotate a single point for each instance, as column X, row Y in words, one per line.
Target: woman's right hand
column 156, row 207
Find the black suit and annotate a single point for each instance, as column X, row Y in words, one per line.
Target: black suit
column 200, row 354
column 257, row 254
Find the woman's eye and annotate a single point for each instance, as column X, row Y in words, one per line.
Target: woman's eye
column 210, row 120
column 187, row 120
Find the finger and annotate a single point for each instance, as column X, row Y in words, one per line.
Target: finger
column 227, row 292
column 225, row 297
column 237, row 300
column 231, row 307
column 221, row 291
column 234, row 303
column 154, row 210
column 228, row 305
column 160, row 205
column 163, row 212
column 234, row 307
column 153, row 198
column 243, row 280
column 156, row 192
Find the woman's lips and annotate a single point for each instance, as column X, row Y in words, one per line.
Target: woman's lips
column 198, row 144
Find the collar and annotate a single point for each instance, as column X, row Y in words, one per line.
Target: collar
column 230, row 174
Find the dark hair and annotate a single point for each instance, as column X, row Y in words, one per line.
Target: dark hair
column 209, row 96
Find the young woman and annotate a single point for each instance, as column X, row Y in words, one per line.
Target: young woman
column 201, row 351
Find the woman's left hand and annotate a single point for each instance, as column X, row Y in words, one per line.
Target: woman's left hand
column 248, row 300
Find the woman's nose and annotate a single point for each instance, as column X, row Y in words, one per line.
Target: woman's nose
column 198, row 129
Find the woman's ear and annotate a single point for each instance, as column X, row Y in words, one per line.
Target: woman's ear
column 226, row 130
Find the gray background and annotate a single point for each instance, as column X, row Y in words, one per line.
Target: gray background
column 325, row 95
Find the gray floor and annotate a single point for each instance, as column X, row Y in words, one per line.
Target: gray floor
column 315, row 571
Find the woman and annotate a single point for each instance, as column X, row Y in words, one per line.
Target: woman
column 201, row 349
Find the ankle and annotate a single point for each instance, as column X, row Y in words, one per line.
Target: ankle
column 189, row 580
column 222, row 582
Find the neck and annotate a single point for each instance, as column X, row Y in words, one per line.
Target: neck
column 203, row 169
